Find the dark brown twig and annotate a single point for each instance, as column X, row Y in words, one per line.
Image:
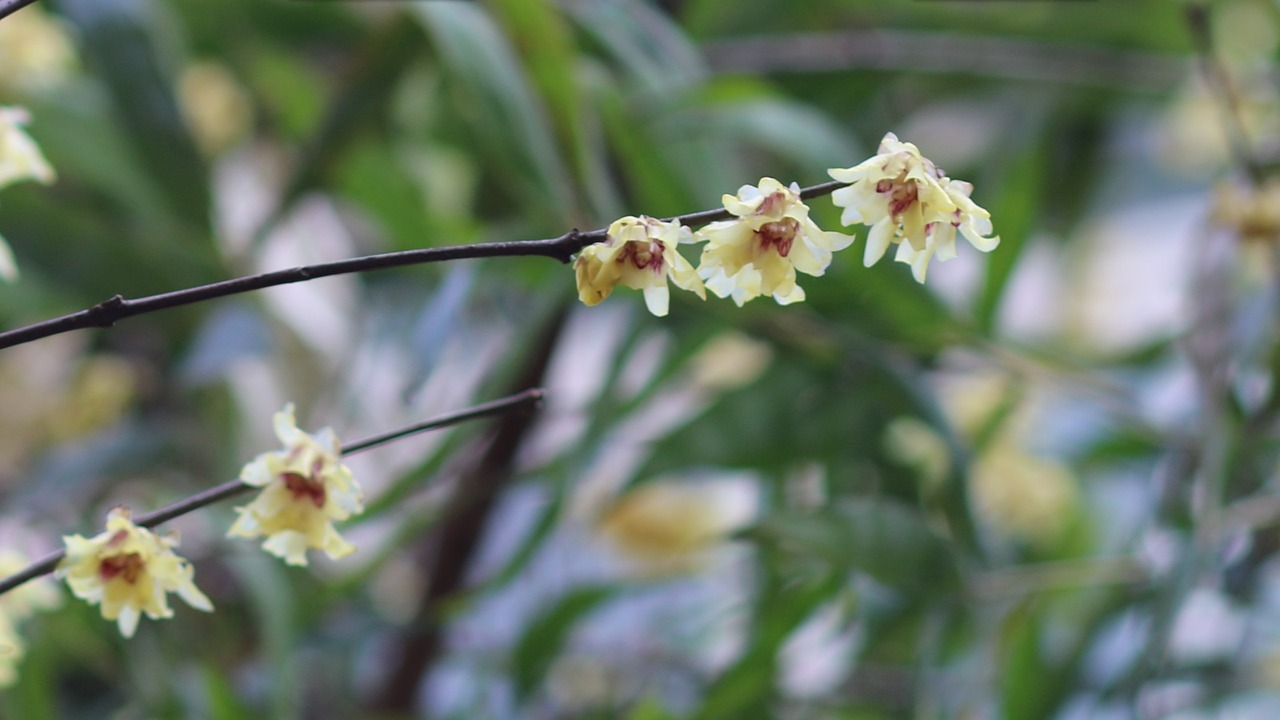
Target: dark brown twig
column 447, row 556
column 1219, row 81
column 9, row 7
column 562, row 248
column 48, row 563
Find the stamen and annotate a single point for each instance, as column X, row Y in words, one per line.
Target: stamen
column 780, row 235
column 128, row 566
column 305, row 487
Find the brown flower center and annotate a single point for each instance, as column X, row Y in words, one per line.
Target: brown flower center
column 902, row 193
column 128, row 566
column 310, row 487
column 774, row 204
column 643, row 255
column 779, row 235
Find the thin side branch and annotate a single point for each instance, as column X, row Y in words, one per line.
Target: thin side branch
column 9, row 7
column 562, row 248
column 1219, row 80
column 528, row 398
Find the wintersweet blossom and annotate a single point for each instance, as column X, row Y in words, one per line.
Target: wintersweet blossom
column 36, row 51
column 11, row 651
column 640, row 253
column 129, row 571
column 26, row 600
column 903, row 196
column 305, row 488
column 760, row 252
column 16, row 606
column 20, row 157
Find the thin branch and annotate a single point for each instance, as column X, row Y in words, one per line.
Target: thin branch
column 562, row 248
column 448, row 555
column 48, row 563
column 1079, row 64
column 1219, row 80
column 9, row 7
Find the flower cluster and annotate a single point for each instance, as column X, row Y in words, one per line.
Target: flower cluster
column 903, row 196
column 305, row 487
column 760, row 252
column 898, row 193
column 640, row 253
column 129, row 571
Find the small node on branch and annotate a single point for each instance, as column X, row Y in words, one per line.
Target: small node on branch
column 105, row 313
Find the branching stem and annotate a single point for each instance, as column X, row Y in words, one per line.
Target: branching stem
column 562, row 248
column 48, row 563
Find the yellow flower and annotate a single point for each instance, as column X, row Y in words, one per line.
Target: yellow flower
column 1252, row 212
column 22, row 602
column 912, row 442
column 16, row 606
column 760, row 252
column 902, row 195
column 641, row 254
column 216, row 108
column 305, row 488
column 11, row 651
column 1023, row 496
column 129, row 570
column 35, row 51
column 20, row 157
column 672, row 525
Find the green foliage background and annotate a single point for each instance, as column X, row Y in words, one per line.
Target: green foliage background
column 416, row 124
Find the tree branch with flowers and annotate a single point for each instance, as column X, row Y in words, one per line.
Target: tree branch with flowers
column 768, row 238
column 723, row 506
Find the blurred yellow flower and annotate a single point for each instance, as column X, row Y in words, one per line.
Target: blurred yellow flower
column 641, row 254
column 730, row 360
column 1023, row 496
column 98, row 395
column 670, row 525
column 129, row 571
column 35, row 51
column 22, row 602
column 16, row 606
column 902, row 195
column 20, row 157
column 216, row 107
column 914, row 443
column 305, row 488
column 11, row 651
column 760, row 252
column 1252, row 212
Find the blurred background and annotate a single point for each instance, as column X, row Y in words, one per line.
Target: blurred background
column 1042, row 486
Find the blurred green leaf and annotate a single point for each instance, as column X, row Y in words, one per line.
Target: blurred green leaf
column 119, row 41
column 221, row 697
column 499, row 105
column 544, row 636
column 364, row 96
column 546, row 46
column 1017, row 210
column 748, row 686
column 889, row 542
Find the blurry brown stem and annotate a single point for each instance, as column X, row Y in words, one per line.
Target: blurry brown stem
column 9, row 7
column 562, row 248
column 1219, row 81
column 447, row 556
column 46, row 564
